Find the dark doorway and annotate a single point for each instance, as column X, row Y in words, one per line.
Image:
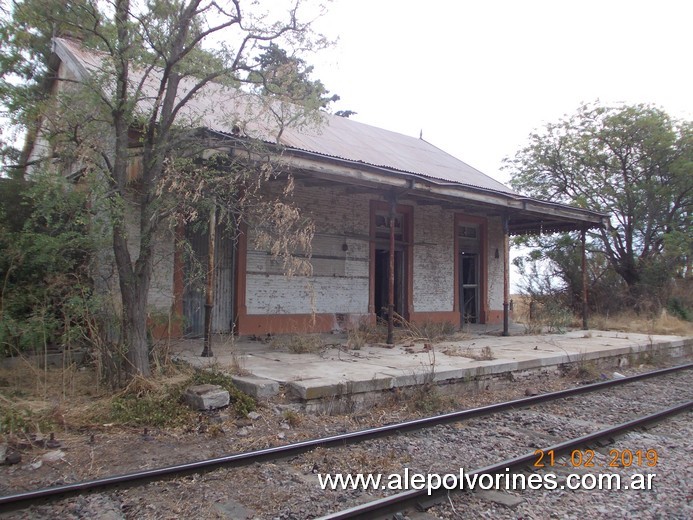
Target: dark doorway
column 382, row 273
column 469, row 287
column 469, row 276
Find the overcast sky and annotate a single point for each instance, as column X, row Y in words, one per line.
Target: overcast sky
column 478, row 76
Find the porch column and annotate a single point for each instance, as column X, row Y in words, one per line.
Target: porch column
column 506, row 276
column 209, row 289
column 584, row 279
column 391, row 275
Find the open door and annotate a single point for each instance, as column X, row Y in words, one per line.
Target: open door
column 380, row 261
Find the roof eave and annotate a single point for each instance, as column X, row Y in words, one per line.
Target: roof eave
column 526, row 215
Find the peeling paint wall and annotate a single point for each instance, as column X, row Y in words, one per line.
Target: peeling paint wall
column 161, row 289
column 434, row 277
column 340, row 281
column 340, row 278
column 495, row 265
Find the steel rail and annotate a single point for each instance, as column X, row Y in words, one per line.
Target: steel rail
column 415, row 497
column 24, row 499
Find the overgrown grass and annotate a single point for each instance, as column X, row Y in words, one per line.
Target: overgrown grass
column 428, row 399
column 405, row 331
column 299, row 343
column 145, row 404
column 33, row 397
column 674, row 319
column 428, row 330
column 54, row 399
column 663, row 323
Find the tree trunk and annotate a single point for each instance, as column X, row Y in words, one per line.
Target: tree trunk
column 135, row 331
column 134, row 288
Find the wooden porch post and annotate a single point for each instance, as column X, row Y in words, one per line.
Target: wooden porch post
column 506, row 276
column 209, row 290
column 391, row 275
column 584, row 279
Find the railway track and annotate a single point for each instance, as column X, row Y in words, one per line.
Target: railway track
column 423, row 498
column 396, row 502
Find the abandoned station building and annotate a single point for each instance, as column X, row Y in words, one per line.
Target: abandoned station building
column 449, row 241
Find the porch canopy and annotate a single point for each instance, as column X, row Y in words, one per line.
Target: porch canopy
column 400, row 168
column 433, row 177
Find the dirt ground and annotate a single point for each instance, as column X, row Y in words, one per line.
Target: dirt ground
column 67, row 405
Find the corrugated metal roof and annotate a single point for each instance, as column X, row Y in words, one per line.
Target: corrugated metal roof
column 219, row 108
column 347, row 139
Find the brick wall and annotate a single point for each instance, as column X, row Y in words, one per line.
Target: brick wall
column 340, row 278
column 495, row 265
column 340, row 283
column 433, row 282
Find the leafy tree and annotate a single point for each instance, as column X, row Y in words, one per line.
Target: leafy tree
column 156, row 57
column 634, row 163
column 26, row 30
column 46, row 245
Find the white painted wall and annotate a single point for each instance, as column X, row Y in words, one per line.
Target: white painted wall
column 434, row 257
column 494, row 265
column 340, row 278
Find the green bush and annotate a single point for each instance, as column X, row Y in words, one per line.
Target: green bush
column 678, row 308
column 45, row 256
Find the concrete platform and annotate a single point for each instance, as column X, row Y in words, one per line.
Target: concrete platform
column 265, row 368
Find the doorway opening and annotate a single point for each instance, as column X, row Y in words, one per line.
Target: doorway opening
column 382, row 281
column 469, row 279
column 469, row 287
column 380, row 261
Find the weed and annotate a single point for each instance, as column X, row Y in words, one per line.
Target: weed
column 427, row 398
column 587, row 369
column 15, row 419
column 357, row 338
column 144, row 403
column 426, row 330
column 677, row 308
column 292, row 418
column 300, row 343
column 660, row 323
column 157, row 410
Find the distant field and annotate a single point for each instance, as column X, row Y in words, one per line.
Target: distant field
column 628, row 321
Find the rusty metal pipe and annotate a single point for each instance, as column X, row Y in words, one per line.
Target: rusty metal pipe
column 209, row 289
column 506, row 275
column 584, row 280
column 391, row 277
